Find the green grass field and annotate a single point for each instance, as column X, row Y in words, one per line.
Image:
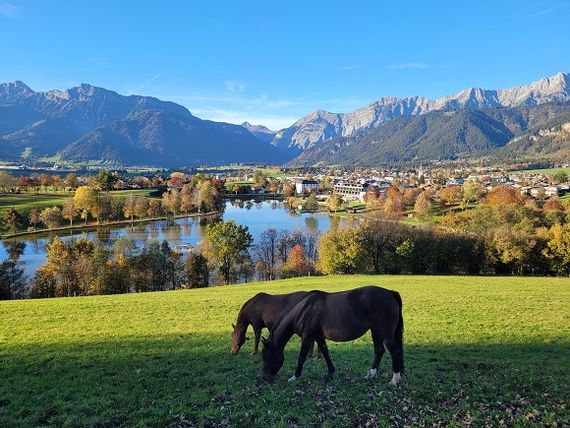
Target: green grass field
column 544, row 171
column 478, row 351
column 24, row 202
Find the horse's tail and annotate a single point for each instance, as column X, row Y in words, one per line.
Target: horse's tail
column 399, row 332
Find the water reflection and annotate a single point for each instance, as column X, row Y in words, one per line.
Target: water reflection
column 271, row 213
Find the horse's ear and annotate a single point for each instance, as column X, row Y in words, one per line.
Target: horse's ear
column 233, row 326
column 264, row 341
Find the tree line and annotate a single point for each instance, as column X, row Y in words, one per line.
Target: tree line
column 91, row 204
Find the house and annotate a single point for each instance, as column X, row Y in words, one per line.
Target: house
column 305, row 186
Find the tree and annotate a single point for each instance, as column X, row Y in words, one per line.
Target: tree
column 197, row 273
column 288, row 190
column 334, row 202
column 410, row 196
column 259, row 178
column 34, row 217
column 44, row 283
column 57, row 183
column 171, row 201
column 106, row 180
column 141, row 207
column 311, row 203
column 12, row 281
column 394, row 205
column 186, row 200
column 450, row 195
column 71, row 181
column 45, row 181
column 296, row 264
column 85, row 200
column 153, row 208
column 226, row 244
column 51, row 217
column 423, row 205
column 340, row 252
column 552, row 204
column 6, row 181
column 504, row 195
column 265, row 254
column 557, row 249
column 129, row 206
column 176, row 180
column 13, row 221
column 207, row 196
column 472, row 192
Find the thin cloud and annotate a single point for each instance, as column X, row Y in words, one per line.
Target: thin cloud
column 235, row 86
column 8, row 9
column 152, row 79
column 549, row 10
column 417, row 65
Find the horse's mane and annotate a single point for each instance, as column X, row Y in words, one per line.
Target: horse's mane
column 297, row 310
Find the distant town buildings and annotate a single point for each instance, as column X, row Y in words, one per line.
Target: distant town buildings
column 305, row 186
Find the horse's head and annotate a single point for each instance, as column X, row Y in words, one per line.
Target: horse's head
column 238, row 338
column 272, row 360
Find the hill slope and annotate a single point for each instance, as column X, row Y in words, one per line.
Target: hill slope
column 154, row 137
column 478, row 350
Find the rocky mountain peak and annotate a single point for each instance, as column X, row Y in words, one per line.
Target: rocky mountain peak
column 14, row 91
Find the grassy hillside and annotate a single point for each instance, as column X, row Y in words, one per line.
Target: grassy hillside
column 478, row 350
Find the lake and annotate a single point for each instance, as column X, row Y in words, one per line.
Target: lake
column 257, row 216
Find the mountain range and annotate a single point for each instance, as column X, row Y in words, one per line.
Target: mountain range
column 320, row 126
column 88, row 123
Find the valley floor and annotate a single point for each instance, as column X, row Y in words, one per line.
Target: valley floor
column 478, row 350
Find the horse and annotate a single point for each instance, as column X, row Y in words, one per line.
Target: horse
column 260, row 311
column 340, row 317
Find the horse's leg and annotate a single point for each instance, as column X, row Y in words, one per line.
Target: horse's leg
column 378, row 353
column 257, row 332
column 324, row 350
column 305, row 346
column 311, row 350
column 395, row 353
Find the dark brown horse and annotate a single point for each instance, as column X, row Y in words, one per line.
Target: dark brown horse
column 260, row 312
column 340, row 317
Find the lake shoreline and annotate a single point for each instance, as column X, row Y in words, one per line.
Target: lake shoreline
column 91, row 226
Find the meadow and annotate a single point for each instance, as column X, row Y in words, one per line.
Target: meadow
column 551, row 171
column 24, row 202
column 478, row 351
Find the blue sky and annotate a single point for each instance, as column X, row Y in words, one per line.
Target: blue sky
column 271, row 62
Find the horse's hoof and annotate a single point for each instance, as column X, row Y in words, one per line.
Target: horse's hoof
column 292, row 379
column 395, row 379
column 371, row 374
column 329, row 377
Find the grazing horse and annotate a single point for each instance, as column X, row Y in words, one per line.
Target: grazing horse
column 340, row 317
column 260, row 311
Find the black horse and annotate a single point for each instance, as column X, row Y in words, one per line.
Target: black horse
column 260, row 312
column 340, row 317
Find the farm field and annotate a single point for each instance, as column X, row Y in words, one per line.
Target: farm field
column 478, row 350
